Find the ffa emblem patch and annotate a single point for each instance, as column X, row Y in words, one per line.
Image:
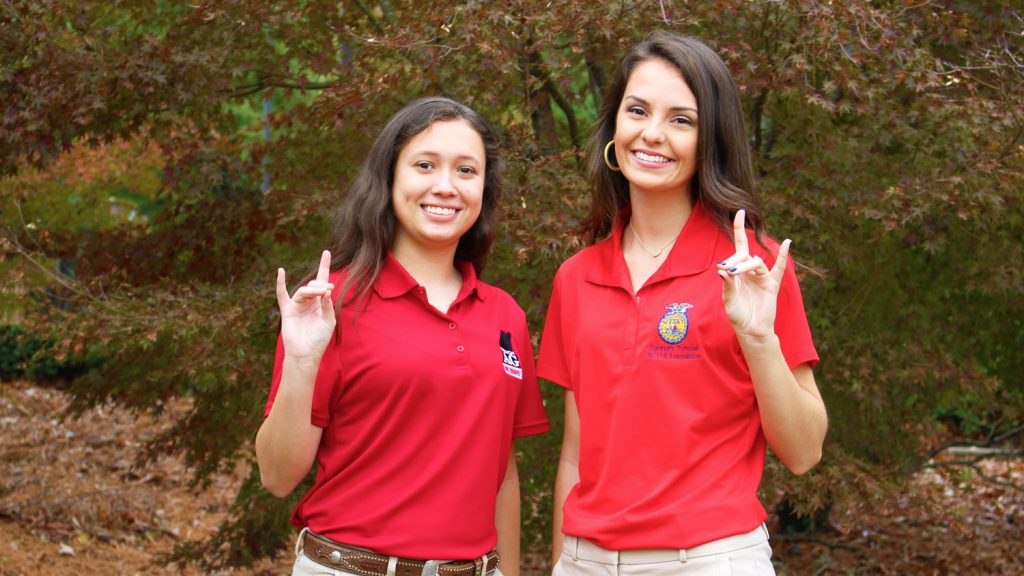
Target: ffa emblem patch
column 509, row 360
column 674, row 324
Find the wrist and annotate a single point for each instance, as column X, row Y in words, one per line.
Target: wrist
column 302, row 364
column 763, row 340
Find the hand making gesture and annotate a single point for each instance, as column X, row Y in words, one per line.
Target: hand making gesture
column 750, row 290
column 307, row 318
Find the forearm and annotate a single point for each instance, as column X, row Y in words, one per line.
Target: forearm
column 287, row 442
column 507, row 518
column 792, row 412
column 568, row 475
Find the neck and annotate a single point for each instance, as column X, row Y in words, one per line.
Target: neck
column 659, row 218
column 428, row 267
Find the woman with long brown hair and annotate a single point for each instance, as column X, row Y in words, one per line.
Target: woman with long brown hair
column 679, row 335
column 400, row 373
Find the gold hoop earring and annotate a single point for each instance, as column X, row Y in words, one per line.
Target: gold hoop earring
column 607, row 161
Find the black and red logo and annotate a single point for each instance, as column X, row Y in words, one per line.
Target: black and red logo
column 509, row 360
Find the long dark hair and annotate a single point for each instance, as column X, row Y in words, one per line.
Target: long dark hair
column 364, row 227
column 724, row 181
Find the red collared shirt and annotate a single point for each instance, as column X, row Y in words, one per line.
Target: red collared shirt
column 419, row 409
column 671, row 447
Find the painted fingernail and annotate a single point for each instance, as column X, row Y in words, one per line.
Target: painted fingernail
column 733, row 269
column 722, row 263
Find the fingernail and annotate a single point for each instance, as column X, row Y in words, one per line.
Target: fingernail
column 722, row 263
column 733, row 269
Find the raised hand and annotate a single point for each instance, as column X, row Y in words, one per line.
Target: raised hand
column 750, row 290
column 307, row 317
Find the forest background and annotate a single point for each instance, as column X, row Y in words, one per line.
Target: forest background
column 159, row 160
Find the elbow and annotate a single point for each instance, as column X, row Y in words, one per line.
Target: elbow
column 276, row 486
column 272, row 479
column 272, row 475
column 803, row 464
column 279, row 493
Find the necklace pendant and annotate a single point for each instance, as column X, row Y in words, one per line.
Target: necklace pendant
column 644, row 246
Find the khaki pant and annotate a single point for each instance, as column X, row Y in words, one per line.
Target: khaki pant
column 741, row 555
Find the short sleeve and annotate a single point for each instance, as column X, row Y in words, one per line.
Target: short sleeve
column 327, row 378
column 530, row 416
column 553, row 363
column 791, row 322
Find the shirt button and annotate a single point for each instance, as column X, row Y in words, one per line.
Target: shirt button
column 452, row 325
column 461, row 349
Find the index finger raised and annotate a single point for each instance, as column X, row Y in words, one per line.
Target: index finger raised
column 325, row 267
column 739, row 233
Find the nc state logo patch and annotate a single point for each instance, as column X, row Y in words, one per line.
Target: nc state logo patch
column 674, row 325
column 509, row 360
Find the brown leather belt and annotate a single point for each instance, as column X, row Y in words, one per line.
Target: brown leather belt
column 367, row 563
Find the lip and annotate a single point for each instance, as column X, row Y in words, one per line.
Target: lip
column 647, row 163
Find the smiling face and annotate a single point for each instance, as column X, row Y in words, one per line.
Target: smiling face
column 438, row 187
column 656, row 130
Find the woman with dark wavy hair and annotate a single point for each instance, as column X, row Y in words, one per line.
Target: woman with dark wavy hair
column 407, row 384
column 679, row 335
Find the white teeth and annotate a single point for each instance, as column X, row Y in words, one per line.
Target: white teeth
column 651, row 158
column 439, row 210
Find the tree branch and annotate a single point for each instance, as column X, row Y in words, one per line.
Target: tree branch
column 369, row 14
column 570, row 116
column 540, row 71
column 596, row 75
column 978, row 447
column 263, row 84
column 973, row 464
column 756, row 116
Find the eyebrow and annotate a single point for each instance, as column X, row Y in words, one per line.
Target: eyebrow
column 460, row 157
column 672, row 109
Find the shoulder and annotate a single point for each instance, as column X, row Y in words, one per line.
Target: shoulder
column 594, row 255
column 499, row 299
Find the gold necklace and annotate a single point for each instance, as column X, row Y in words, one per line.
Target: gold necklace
column 644, row 246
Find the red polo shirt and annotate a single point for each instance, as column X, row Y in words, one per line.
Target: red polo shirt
column 419, row 409
column 671, row 447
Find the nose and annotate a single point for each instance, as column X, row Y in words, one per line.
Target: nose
column 653, row 133
column 443, row 185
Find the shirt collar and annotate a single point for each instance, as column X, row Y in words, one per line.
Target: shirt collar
column 395, row 280
column 693, row 252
